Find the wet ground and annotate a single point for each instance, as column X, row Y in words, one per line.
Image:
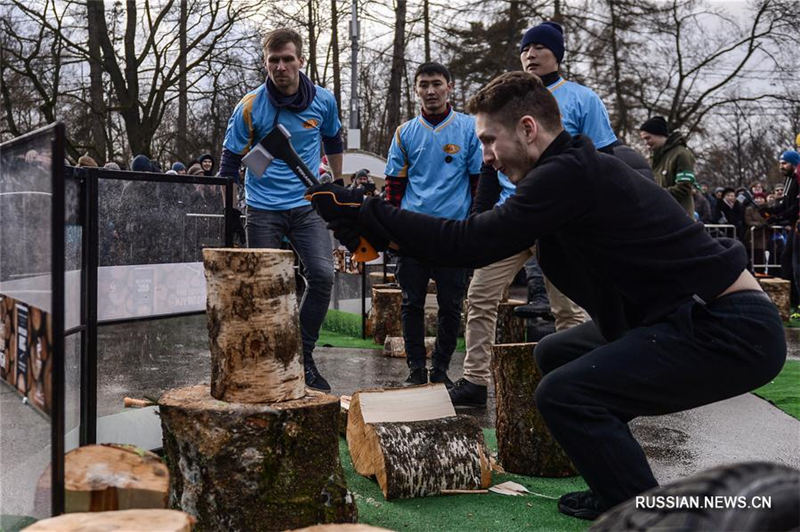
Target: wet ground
column 146, row 358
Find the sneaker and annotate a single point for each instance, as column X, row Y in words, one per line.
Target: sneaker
column 314, row 380
column 465, row 393
column 582, row 504
column 418, row 376
column 439, row 376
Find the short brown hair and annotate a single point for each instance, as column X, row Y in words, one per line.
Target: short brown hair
column 281, row 37
column 512, row 95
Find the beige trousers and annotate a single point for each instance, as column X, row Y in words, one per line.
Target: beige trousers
column 485, row 290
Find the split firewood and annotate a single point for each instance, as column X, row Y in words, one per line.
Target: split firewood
column 779, row 291
column 395, row 346
column 120, row 521
column 253, row 325
column 108, row 477
column 411, row 441
column 131, row 402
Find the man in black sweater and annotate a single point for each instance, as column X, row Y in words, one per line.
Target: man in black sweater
column 677, row 320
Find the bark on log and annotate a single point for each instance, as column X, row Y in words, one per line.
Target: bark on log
column 238, row 466
column 376, row 278
column 524, row 443
column 121, row 521
column 779, row 290
column 395, row 346
column 414, row 445
column 510, row 328
column 100, row 478
column 387, row 313
column 253, row 325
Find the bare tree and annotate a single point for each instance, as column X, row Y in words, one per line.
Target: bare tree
column 398, row 70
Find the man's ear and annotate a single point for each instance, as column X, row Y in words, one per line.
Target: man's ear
column 302, row 61
column 529, row 128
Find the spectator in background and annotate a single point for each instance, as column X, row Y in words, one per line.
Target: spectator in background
column 702, row 208
column 756, row 188
column 195, row 169
column 712, row 201
column 732, row 212
column 778, row 192
column 672, row 161
column 756, row 229
column 785, row 212
column 141, row 163
column 179, row 167
column 207, row 164
column 111, row 165
column 86, row 161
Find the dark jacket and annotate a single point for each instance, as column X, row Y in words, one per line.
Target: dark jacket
column 785, row 211
column 626, row 266
column 634, row 159
column 673, row 168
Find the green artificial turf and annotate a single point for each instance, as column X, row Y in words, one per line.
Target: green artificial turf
column 479, row 512
column 784, row 390
column 13, row 523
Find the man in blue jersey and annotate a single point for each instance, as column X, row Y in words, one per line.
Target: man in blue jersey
column 275, row 204
column 582, row 112
column 433, row 164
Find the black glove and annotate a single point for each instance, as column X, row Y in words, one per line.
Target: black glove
column 333, row 202
column 349, row 233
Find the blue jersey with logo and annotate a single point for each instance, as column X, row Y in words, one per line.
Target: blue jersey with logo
column 437, row 161
column 582, row 113
column 254, row 116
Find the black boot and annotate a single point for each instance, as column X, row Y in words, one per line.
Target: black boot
column 465, row 393
column 538, row 303
column 418, row 376
column 582, row 504
column 438, row 376
column 313, row 378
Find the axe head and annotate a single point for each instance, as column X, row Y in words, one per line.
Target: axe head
column 257, row 160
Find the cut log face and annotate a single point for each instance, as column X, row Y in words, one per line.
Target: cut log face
column 121, row 521
column 113, row 477
column 510, row 328
column 412, row 442
column 253, row 325
column 779, row 290
column 524, row 443
column 386, row 313
column 242, row 466
column 395, row 346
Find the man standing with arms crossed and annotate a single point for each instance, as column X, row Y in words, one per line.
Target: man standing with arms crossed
column 582, row 112
column 275, row 204
column 433, row 162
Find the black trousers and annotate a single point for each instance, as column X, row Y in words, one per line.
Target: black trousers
column 451, row 284
column 699, row 354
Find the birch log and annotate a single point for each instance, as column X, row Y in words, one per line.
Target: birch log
column 244, row 466
column 510, row 328
column 121, row 521
column 395, row 346
column 386, row 313
column 779, row 290
column 253, row 325
column 414, row 445
column 524, row 443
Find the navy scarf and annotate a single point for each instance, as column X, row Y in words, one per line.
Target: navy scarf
column 296, row 102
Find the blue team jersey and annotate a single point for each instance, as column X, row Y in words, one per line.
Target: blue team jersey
column 437, row 162
column 254, row 116
column 582, row 113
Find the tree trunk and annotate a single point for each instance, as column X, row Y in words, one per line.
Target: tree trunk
column 337, row 76
column 395, row 346
column 524, row 444
column 183, row 93
column 510, row 328
column 779, row 291
column 100, row 478
column 398, row 67
column 96, row 95
column 312, row 44
column 412, row 442
column 237, row 466
column 386, row 313
column 253, row 325
column 161, row 520
column 426, row 33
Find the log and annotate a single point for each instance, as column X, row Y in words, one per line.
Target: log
column 244, row 466
column 510, row 328
column 253, row 325
column 122, row 521
column 376, row 278
column 342, row 528
column 779, row 290
column 100, row 478
column 395, row 346
column 412, row 442
column 524, row 443
column 387, row 313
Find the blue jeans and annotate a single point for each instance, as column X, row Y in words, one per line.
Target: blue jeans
column 309, row 237
column 699, row 354
column 451, row 283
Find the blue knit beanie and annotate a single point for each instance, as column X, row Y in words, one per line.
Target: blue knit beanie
column 178, row 166
column 791, row 157
column 548, row 34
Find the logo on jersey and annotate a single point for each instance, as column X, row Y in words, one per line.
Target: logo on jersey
column 311, row 123
column 451, row 148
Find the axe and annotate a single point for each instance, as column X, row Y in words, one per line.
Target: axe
column 277, row 145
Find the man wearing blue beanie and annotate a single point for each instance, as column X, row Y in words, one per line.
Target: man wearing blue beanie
column 786, row 212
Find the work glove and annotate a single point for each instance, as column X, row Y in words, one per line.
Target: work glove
column 333, row 202
column 349, row 233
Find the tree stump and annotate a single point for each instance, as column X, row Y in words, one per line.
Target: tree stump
column 510, row 328
column 395, row 346
column 524, row 443
column 779, row 290
column 412, row 442
column 253, row 325
column 121, row 521
column 100, row 478
column 376, row 278
column 386, row 313
column 244, row 466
